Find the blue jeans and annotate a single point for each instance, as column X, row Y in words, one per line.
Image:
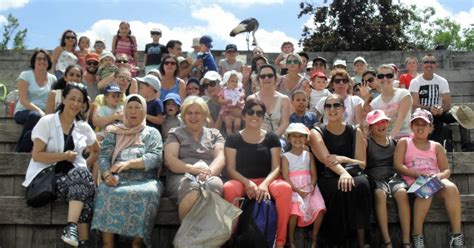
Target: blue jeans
column 28, row 119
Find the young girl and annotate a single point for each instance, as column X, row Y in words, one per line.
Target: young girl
column 299, row 170
column 232, row 99
column 385, row 182
column 418, row 156
column 411, row 63
column 84, row 44
column 125, row 42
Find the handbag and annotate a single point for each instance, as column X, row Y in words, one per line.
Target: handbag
column 42, row 190
column 209, row 223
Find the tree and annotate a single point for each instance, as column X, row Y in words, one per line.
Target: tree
column 8, row 32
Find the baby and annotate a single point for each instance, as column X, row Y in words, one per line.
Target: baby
column 231, row 98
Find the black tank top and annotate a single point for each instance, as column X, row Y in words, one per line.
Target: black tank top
column 342, row 145
column 380, row 159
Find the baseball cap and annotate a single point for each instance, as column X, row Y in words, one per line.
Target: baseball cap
column 106, row 54
column 150, row 80
column 340, row 62
column 309, row 65
column 92, row 57
column 319, row 74
column 112, row 88
column 231, row 47
column 155, row 30
column 375, row 116
column 173, row 96
column 211, row 76
column 422, row 114
column 206, row 40
column 296, row 128
column 360, row 58
column 320, row 59
column 195, row 42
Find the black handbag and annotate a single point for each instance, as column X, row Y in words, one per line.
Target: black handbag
column 42, row 190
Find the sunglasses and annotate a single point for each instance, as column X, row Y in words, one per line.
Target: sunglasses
column 121, row 61
column 69, row 37
column 124, row 78
column 341, row 81
column 432, row 62
column 269, row 76
column 336, row 105
column 94, row 63
column 193, row 88
column 169, row 63
column 210, row 84
column 251, row 112
column 382, row 76
column 293, row 62
column 155, row 33
column 370, row 80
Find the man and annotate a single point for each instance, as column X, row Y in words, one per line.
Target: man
column 89, row 77
column 431, row 92
column 174, row 47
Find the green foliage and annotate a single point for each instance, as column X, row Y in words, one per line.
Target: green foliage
column 9, row 32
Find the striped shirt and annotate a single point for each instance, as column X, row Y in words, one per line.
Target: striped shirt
column 430, row 91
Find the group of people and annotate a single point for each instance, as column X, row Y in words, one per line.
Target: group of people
column 321, row 143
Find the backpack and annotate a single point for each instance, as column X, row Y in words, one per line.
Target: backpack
column 257, row 224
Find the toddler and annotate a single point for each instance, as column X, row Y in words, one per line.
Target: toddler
column 299, row 170
column 280, row 62
column 172, row 103
column 109, row 113
column 318, row 89
column 204, row 57
column 231, row 97
column 107, row 65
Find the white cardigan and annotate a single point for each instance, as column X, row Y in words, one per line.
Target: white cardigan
column 48, row 129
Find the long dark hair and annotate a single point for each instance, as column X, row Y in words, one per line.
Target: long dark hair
column 63, row 38
column 129, row 36
column 162, row 65
column 83, row 89
column 61, row 83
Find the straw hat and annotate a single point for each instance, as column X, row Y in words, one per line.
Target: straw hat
column 464, row 115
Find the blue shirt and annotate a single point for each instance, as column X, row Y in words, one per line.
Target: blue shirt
column 308, row 119
column 154, row 108
column 208, row 61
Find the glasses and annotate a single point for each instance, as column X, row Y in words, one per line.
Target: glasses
column 336, row 105
column 369, row 80
column 210, row 84
column 155, row 33
column 70, row 37
column 169, row 63
column 432, row 62
column 124, row 78
column 94, row 63
column 341, row 81
column 251, row 112
column 121, row 61
column 99, row 46
column 293, row 62
column 41, row 59
column 382, row 76
column 269, row 76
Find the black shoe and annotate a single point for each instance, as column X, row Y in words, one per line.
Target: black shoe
column 70, row 235
column 468, row 147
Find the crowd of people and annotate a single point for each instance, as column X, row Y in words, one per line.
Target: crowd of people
column 322, row 143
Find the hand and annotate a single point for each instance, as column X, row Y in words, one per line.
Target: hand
column 332, row 160
column 70, row 156
column 302, row 193
column 200, row 169
column 262, row 192
column 202, row 177
column 345, row 182
column 111, row 180
column 436, row 110
column 251, row 188
column 119, row 167
column 364, row 90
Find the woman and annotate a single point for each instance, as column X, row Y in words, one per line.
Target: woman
column 277, row 105
column 60, row 139
column 395, row 102
column 193, row 87
column 342, row 85
column 411, row 64
column 130, row 157
column 250, row 80
column 293, row 81
column 170, row 83
column 73, row 74
column 210, row 83
column 253, row 164
column 64, row 55
column 33, row 87
column 126, row 43
column 196, row 150
column 347, row 197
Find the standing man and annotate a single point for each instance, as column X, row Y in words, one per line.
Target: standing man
column 431, row 92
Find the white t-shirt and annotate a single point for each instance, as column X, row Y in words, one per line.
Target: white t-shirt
column 391, row 109
column 316, row 96
column 350, row 103
column 430, row 91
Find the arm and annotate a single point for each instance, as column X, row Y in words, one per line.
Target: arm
column 135, row 50
column 114, row 42
column 285, row 116
column 182, row 89
column 398, row 156
column 103, row 121
column 218, row 163
column 23, row 95
column 278, row 60
column 175, row 164
column 416, row 102
column 145, row 57
column 314, row 174
column 50, row 102
column 54, row 58
column 446, row 102
column 158, row 119
column 40, row 155
column 105, row 81
column 359, row 153
column 443, row 163
column 93, row 154
column 403, row 110
column 133, row 86
column 358, row 115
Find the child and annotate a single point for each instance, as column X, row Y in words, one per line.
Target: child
column 318, row 89
column 280, row 62
column 154, row 51
column 109, row 113
column 299, row 102
column 205, row 57
column 149, row 87
column 99, row 46
column 380, row 149
column 231, row 97
column 360, row 66
column 230, row 62
column 299, row 170
column 107, row 65
column 193, row 88
column 172, row 104
column 126, row 43
column 84, row 44
column 411, row 63
column 418, row 156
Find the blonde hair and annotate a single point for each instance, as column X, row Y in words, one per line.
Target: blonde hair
column 191, row 100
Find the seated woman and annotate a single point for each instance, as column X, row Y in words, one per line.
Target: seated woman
column 130, row 157
column 196, row 150
column 253, row 158
column 60, row 139
column 347, row 197
column 73, row 73
column 33, row 87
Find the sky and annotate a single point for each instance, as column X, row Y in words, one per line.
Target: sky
column 46, row 20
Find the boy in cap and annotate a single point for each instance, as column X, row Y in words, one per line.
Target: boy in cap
column 109, row 113
column 149, row 87
column 99, row 46
column 154, row 51
column 360, row 66
column 340, row 64
column 230, row 62
column 172, row 104
column 205, row 57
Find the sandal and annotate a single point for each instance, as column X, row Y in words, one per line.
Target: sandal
column 388, row 244
column 406, row 245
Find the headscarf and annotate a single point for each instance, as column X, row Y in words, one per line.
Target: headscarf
column 127, row 136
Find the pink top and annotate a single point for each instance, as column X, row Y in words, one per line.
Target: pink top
column 125, row 45
column 421, row 161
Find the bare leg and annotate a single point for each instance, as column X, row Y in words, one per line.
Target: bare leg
column 361, row 237
column 108, row 240
column 83, row 229
column 403, row 205
column 316, row 226
column 137, row 242
column 228, row 123
column 74, row 211
column 420, row 209
column 452, row 202
column 381, row 211
column 291, row 228
column 237, row 123
column 187, row 203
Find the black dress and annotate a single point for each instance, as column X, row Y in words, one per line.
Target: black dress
column 345, row 211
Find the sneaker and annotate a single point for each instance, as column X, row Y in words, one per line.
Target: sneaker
column 70, row 235
column 418, row 241
column 456, row 241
